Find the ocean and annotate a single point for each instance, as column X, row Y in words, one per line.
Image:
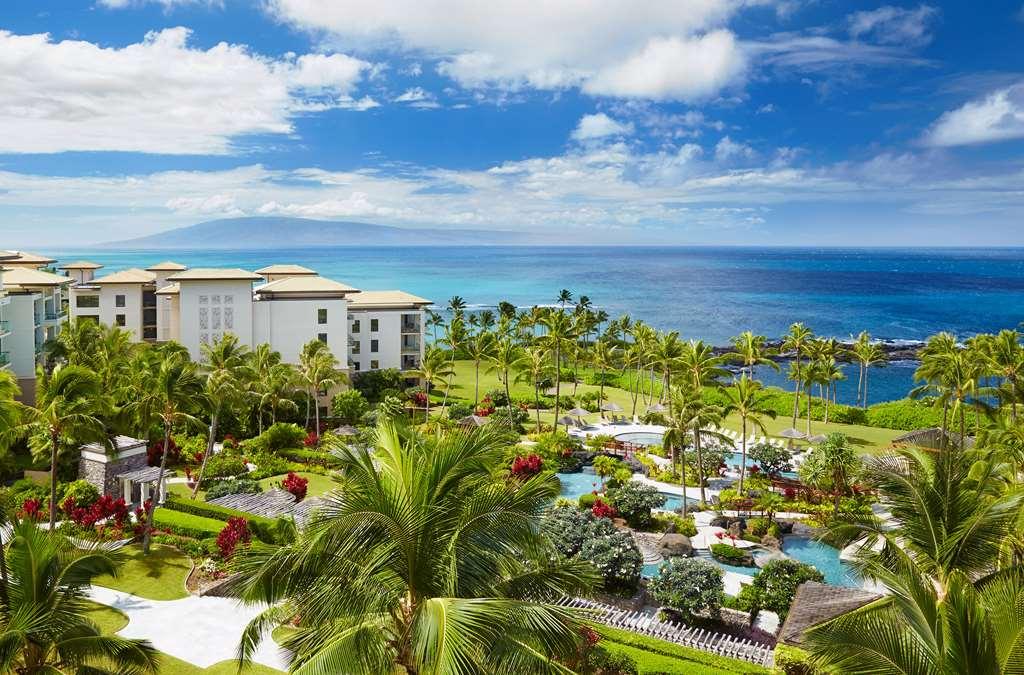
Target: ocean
column 711, row 293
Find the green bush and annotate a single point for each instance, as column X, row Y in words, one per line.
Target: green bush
column 587, row 500
column 731, row 555
column 612, row 551
column 634, row 502
column 680, row 525
column 265, row 529
column 459, row 409
column 272, row 465
column 757, row 527
column 374, row 385
column 223, row 465
column 349, row 406
column 690, row 586
column 186, row 524
column 233, row 487
column 775, row 585
column 83, row 492
column 193, row 548
column 794, row 661
column 191, row 448
column 279, row 436
column 311, row 457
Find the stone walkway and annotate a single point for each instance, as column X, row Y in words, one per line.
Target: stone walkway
column 201, row 631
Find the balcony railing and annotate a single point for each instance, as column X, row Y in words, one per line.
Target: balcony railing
column 51, row 315
column 410, row 326
column 5, row 326
column 5, row 359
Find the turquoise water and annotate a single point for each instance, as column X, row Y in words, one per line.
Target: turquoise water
column 650, row 570
column 703, row 292
column 822, row 556
column 576, row 484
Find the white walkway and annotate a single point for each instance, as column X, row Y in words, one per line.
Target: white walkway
column 202, row 631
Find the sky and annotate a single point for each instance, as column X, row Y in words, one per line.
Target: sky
column 760, row 122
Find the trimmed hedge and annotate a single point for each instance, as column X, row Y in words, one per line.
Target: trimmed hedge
column 264, row 528
column 304, row 456
column 186, row 524
column 673, row 655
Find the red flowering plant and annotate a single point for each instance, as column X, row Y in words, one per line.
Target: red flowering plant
column 104, row 508
column 295, row 484
column 602, row 509
column 141, row 518
column 789, row 493
column 419, row 398
column 486, row 407
column 155, row 452
column 527, row 467
column 31, row 509
column 234, row 533
column 312, row 440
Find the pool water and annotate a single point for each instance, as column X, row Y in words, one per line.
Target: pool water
column 823, row 557
column 651, row 569
column 650, row 438
column 586, row 481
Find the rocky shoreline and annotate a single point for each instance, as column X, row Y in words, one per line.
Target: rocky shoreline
column 896, row 350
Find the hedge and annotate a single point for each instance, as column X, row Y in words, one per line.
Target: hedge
column 186, row 524
column 264, row 528
column 304, row 456
column 659, row 656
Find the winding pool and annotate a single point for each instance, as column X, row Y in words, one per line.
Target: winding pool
column 823, row 557
column 650, row 438
column 586, row 481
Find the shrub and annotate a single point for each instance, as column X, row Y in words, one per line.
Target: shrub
column 234, row 533
column 193, row 548
column 295, row 484
column 459, row 409
column 81, row 493
column 690, row 586
column 349, row 406
column 680, row 525
column 102, row 508
column 496, row 397
column 312, row 457
column 267, row 530
column 375, row 384
column 31, row 509
column 527, row 467
column 233, row 487
column 587, row 500
column 771, row 459
column 634, row 502
column 731, row 555
column 602, row 509
column 794, row 661
column 613, row 552
column 186, row 524
column 510, row 417
column 757, row 527
column 271, row 465
column 191, row 448
column 282, row 435
column 223, row 465
column 775, row 585
column 155, row 453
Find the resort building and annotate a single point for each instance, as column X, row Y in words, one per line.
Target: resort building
column 375, row 318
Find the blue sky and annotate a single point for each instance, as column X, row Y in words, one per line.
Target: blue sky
column 811, row 122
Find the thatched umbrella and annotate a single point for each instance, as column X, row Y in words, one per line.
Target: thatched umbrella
column 565, row 420
column 577, row 412
column 657, row 408
column 473, row 421
column 611, row 407
column 817, row 438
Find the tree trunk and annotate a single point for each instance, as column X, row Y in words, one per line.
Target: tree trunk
column 54, row 446
column 307, row 410
column 209, row 451
column 865, row 387
column 700, row 465
column 508, row 397
column 808, row 397
column 682, row 457
column 316, row 409
column 860, row 384
column 796, row 391
column 148, row 535
column 558, row 382
column 743, row 463
column 476, row 387
column 536, row 402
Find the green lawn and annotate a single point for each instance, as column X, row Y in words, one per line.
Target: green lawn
column 866, row 439
column 659, row 656
column 108, row 619
column 318, row 484
column 158, row 576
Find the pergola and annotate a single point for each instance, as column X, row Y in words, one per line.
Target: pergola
column 146, row 480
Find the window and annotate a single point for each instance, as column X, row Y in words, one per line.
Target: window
column 87, row 301
column 355, row 347
column 374, row 346
column 118, row 301
column 321, row 316
column 374, row 364
column 322, row 337
column 119, row 319
column 355, row 365
column 374, row 325
column 355, row 326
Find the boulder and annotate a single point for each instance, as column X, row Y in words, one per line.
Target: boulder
column 768, row 541
column 675, row 545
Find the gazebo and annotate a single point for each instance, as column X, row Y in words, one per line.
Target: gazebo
column 143, row 482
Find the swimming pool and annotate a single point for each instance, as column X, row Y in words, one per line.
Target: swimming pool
column 651, row 569
column 823, row 557
column 586, row 481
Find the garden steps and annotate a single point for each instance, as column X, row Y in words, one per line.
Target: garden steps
column 702, row 639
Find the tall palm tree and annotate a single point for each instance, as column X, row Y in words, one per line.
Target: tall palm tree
column 265, row 369
column 867, row 354
column 68, row 411
column 1006, row 359
column 504, row 360
column 831, row 466
column 702, row 418
column 422, row 562
column 307, row 371
column 480, row 347
column 677, row 431
column 796, row 341
column 434, row 370
column 454, row 337
column 666, row 352
column 172, row 392
column 44, row 625
column 559, row 333
column 534, row 368
column 752, row 350
column 747, row 398
column 226, row 367
column 604, row 356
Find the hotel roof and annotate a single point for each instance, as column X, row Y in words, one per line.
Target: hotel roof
column 386, row 300
column 129, row 276
column 26, row 258
column 167, row 266
column 170, row 289
column 305, row 285
column 296, row 270
column 80, row 265
column 23, row 277
column 214, row 274
column 8, row 255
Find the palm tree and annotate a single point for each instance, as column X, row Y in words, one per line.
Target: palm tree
column 44, row 626
column 677, row 430
column 604, row 356
column 747, row 399
column 564, row 297
column 867, row 354
column 533, row 369
column 172, row 391
column 559, row 333
column 796, row 341
column 226, row 368
column 454, row 337
column 701, row 418
column 422, row 563
column 264, row 365
column 954, row 375
column 1006, row 358
column 752, row 350
column 434, row 370
column 831, row 466
column 480, row 347
column 275, row 392
column 665, row 355
column 505, row 359
column 307, row 371
column 68, row 411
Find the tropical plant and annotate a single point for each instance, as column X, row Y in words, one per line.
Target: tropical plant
column 751, row 350
column 831, row 467
column 867, row 354
column 690, row 586
column 747, row 399
column 435, row 370
column 480, row 347
column 558, row 336
column 44, row 624
column 797, row 341
column 225, row 365
column 534, row 368
column 634, row 500
column 422, row 561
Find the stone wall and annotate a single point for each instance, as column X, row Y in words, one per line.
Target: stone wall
column 104, row 474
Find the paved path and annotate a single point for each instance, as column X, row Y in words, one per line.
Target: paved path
column 202, row 631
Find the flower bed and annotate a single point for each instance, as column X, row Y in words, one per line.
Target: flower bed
column 731, row 555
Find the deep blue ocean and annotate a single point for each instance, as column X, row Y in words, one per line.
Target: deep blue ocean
column 703, row 292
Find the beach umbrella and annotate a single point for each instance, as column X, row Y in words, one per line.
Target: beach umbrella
column 345, row 430
column 577, row 412
column 611, row 407
column 473, row 421
column 551, row 391
column 817, row 438
column 792, row 433
column 566, row 420
column 657, row 408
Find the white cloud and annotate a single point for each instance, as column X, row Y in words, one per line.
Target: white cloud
column 166, row 4
column 727, row 150
column 600, row 125
column 766, row 109
column 997, row 117
column 894, row 25
column 159, row 95
column 546, row 45
column 418, row 97
column 220, row 204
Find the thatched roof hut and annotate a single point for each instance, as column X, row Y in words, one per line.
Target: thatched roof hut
column 816, row 603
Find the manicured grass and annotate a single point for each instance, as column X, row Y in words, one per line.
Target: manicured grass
column 184, row 491
column 864, row 439
column 173, row 666
column 658, row 656
column 108, row 619
column 158, row 576
column 318, row 484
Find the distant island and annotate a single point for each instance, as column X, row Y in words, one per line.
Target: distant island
column 276, row 232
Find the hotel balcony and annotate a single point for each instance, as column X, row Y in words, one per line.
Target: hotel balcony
column 5, row 359
column 411, row 324
column 51, row 315
column 410, row 344
column 410, row 361
column 5, row 327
